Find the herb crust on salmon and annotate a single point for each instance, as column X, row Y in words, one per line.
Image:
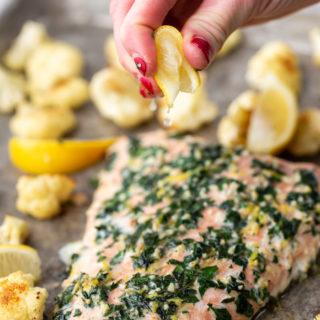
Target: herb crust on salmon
column 182, row 230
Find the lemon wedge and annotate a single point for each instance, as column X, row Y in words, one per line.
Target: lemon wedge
column 274, row 120
column 39, row 156
column 18, row 257
column 174, row 73
column 230, row 44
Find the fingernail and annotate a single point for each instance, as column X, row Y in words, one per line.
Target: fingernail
column 140, row 64
column 143, row 93
column 204, row 46
column 147, row 84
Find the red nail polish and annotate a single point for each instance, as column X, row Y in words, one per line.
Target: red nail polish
column 204, row 46
column 143, row 93
column 147, row 84
column 141, row 65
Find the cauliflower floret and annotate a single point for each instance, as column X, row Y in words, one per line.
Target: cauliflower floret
column 111, row 53
column 232, row 129
column 48, row 123
column 13, row 230
column 12, row 90
column 70, row 93
column 189, row 111
column 19, row 299
column 230, row 44
column 53, row 62
column 241, row 108
column 306, row 140
column 230, row 134
column 116, row 95
column 277, row 58
column 315, row 43
column 42, row 196
column 30, row 37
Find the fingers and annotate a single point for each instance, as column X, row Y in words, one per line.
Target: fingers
column 150, row 86
column 205, row 32
column 137, row 30
column 119, row 9
column 276, row 9
column 134, row 23
column 118, row 12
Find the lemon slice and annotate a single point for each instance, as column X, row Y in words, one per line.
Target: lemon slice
column 274, row 120
column 174, row 73
column 53, row 156
column 18, row 257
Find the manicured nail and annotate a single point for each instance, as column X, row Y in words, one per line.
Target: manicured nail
column 204, row 46
column 143, row 93
column 141, row 65
column 147, row 84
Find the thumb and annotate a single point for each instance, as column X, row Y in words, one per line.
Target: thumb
column 206, row 30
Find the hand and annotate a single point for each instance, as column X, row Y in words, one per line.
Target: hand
column 205, row 25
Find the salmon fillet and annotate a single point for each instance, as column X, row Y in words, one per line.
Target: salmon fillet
column 183, row 230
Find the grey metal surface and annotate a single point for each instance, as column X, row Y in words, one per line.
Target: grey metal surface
column 85, row 24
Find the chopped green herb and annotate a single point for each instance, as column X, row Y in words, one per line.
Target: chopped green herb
column 221, row 313
column 111, row 160
column 94, row 182
column 77, row 313
column 228, row 300
column 244, row 306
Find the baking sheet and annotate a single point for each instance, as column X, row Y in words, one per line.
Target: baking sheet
column 85, row 24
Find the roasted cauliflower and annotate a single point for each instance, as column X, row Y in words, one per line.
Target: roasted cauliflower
column 111, row 53
column 70, row 93
column 42, row 196
column 306, row 140
column 229, row 134
column 230, row 44
column 241, row 108
column 277, row 58
column 189, row 111
column 19, row 299
column 49, row 123
column 12, row 90
column 116, row 95
column 53, row 62
column 315, row 43
column 30, row 37
column 232, row 129
column 13, row 230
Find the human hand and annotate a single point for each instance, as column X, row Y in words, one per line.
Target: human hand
column 204, row 24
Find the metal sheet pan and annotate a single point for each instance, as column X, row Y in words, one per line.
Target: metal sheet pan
column 86, row 24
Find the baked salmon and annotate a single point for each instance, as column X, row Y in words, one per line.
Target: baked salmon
column 183, row 230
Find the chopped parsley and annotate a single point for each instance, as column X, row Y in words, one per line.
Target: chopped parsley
column 176, row 190
column 77, row 313
column 221, row 313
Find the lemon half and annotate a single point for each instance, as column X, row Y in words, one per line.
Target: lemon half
column 274, row 120
column 174, row 73
column 18, row 257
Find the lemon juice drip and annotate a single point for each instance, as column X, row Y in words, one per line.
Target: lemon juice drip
column 153, row 105
column 167, row 122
